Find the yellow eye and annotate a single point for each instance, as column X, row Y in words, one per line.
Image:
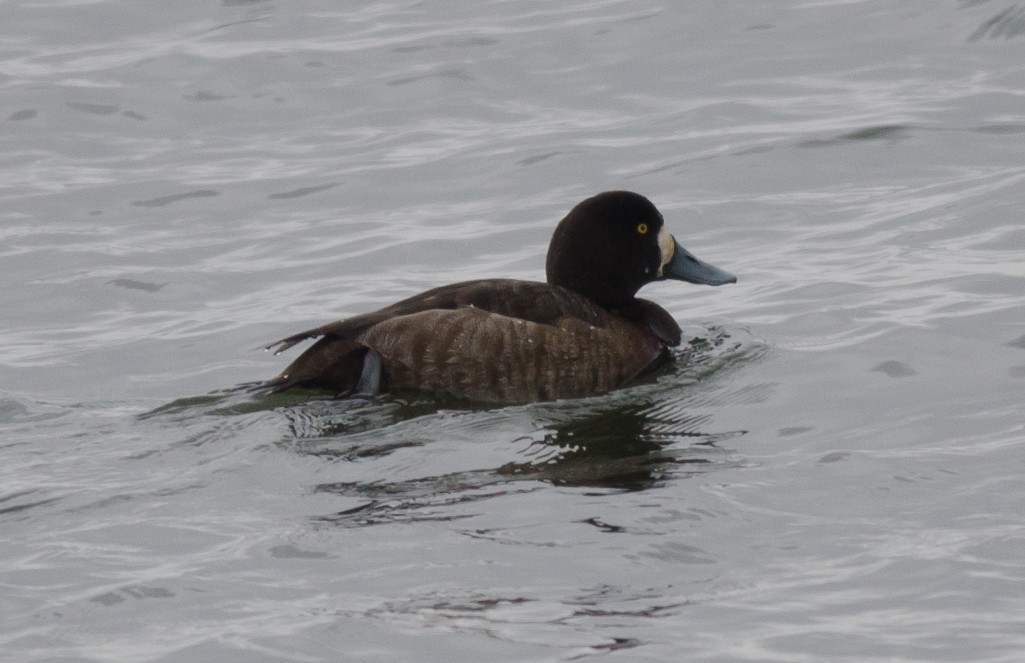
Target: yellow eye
column 642, row 228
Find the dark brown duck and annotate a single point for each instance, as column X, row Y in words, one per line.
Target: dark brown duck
column 582, row 333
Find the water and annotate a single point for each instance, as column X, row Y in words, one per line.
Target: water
column 836, row 476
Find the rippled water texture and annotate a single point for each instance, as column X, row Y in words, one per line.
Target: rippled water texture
column 835, row 474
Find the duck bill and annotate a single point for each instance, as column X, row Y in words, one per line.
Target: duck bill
column 683, row 266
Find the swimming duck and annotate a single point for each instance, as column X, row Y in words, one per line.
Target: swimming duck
column 582, row 333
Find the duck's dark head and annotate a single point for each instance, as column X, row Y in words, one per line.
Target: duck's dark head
column 612, row 244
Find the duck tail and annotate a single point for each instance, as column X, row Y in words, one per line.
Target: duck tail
column 338, row 365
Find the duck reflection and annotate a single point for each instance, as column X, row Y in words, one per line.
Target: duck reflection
column 627, row 447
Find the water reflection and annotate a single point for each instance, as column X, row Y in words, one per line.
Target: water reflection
column 622, row 447
column 626, row 445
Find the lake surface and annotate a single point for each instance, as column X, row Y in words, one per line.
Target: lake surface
column 835, row 475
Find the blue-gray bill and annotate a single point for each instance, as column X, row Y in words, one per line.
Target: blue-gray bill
column 685, row 267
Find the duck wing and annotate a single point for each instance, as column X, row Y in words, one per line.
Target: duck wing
column 530, row 301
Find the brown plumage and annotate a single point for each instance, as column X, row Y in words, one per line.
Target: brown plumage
column 506, row 341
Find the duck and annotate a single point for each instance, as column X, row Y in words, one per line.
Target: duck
column 583, row 332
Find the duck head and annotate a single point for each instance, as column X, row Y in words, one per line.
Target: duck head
column 611, row 245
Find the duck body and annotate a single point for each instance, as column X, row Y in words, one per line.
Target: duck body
column 495, row 340
column 582, row 333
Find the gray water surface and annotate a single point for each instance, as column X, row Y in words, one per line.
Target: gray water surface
column 835, row 475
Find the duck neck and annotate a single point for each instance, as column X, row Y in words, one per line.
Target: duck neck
column 611, row 294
